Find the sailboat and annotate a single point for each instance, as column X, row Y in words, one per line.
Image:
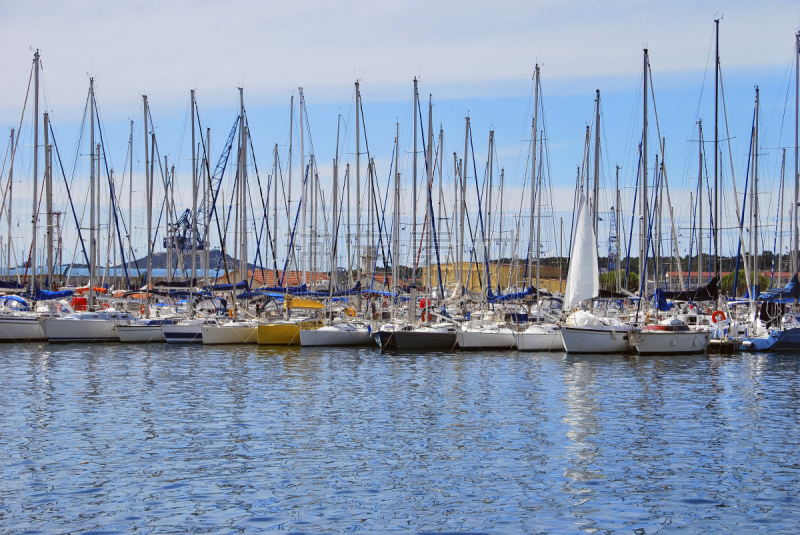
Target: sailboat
column 585, row 332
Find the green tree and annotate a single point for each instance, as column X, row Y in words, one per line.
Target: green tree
column 608, row 281
column 726, row 284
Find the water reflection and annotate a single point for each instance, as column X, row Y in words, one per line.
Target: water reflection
column 123, row 438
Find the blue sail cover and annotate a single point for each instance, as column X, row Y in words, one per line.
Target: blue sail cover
column 491, row 298
column 45, row 295
column 17, row 303
column 228, row 287
column 790, row 291
column 11, row 285
column 661, row 302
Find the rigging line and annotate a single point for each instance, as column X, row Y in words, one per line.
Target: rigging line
column 113, row 196
column 16, row 143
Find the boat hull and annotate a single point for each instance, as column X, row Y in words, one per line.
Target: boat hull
column 425, row 340
column 140, row 334
column 385, row 339
column 242, row 333
column 666, row 343
column 86, row 330
column 21, row 329
column 182, row 334
column 486, row 339
column 594, row 340
column 544, row 340
column 331, row 336
column 775, row 340
column 284, row 334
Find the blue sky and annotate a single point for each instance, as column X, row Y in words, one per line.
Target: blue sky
column 472, row 57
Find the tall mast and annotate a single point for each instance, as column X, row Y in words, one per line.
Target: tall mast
column 396, row 221
column 358, row 181
column 275, row 215
column 488, row 197
column 91, row 193
column 643, row 204
column 700, row 265
column 289, row 250
column 539, row 216
column 194, row 196
column 130, row 195
column 48, row 188
column 170, row 218
column 616, row 231
column 304, row 187
column 149, row 189
column 716, row 149
column 534, row 130
column 463, row 205
column 795, row 232
column 441, row 190
column 429, row 203
column 349, row 252
column 414, row 187
column 754, row 229
column 10, row 204
column 243, row 191
column 35, row 217
column 334, row 229
column 596, row 195
column 207, row 207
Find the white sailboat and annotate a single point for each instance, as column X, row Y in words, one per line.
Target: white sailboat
column 585, row 332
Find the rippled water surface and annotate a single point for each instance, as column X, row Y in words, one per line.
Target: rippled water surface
column 154, row 439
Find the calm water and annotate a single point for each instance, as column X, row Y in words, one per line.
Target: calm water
column 168, row 439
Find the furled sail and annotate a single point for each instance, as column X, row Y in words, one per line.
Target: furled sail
column 583, row 280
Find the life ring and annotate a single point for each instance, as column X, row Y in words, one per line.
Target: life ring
column 142, row 309
column 717, row 316
column 351, row 312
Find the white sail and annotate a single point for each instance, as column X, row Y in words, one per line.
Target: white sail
column 583, row 276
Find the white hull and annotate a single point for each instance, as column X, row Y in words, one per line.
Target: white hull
column 480, row 338
column 664, row 342
column 336, row 336
column 81, row 330
column 22, row 328
column 540, row 339
column 595, row 340
column 230, row 333
column 140, row 334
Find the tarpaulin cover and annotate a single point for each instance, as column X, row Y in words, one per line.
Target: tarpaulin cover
column 790, row 291
column 709, row 292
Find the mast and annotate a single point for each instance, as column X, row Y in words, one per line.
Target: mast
column 170, row 218
column 207, row 207
column 334, row 222
column 10, row 204
column 275, row 215
column 795, row 232
column 539, row 218
column 700, row 204
column 147, row 190
column 463, row 205
column 754, row 228
column 596, row 163
column 289, row 250
column 243, row 193
column 304, row 187
column 716, row 149
column 534, row 130
column 91, row 193
column 616, row 231
column 194, row 196
column 48, row 188
column 489, row 197
column 358, row 181
column 780, row 214
column 349, row 252
column 414, row 187
column 149, row 193
column 35, row 216
column 429, row 203
column 396, row 222
column 130, row 195
column 643, row 204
